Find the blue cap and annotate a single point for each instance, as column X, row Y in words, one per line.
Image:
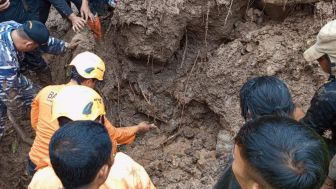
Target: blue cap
column 36, row 31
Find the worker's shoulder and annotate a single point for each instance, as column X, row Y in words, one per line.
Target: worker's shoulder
column 125, row 163
column 45, row 178
column 51, row 90
column 9, row 25
column 121, row 157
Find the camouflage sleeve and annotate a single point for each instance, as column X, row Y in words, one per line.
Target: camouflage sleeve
column 54, row 46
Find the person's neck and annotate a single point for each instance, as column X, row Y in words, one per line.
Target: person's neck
column 72, row 82
column 15, row 38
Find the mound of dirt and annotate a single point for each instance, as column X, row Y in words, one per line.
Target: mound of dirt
column 155, row 28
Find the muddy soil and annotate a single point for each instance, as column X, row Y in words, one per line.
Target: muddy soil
column 180, row 64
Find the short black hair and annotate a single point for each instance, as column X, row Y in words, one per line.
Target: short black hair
column 63, row 120
column 76, row 76
column 78, row 150
column 321, row 114
column 283, row 152
column 265, row 95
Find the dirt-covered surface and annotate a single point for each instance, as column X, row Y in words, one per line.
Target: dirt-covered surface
column 181, row 64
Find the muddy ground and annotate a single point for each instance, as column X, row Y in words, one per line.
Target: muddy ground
column 180, row 64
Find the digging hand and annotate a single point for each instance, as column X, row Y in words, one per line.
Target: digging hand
column 78, row 23
column 86, row 12
column 145, row 126
column 73, row 44
column 5, row 5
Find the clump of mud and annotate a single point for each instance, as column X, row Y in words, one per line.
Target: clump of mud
column 180, row 64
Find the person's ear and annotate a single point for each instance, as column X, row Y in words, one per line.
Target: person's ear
column 31, row 45
column 103, row 174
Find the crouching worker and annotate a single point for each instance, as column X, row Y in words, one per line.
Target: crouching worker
column 81, row 157
column 278, row 152
column 16, row 91
column 321, row 116
column 61, row 104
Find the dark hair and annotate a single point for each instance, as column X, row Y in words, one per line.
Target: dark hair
column 321, row 114
column 265, row 95
column 76, row 76
column 78, row 150
column 283, row 152
column 63, row 120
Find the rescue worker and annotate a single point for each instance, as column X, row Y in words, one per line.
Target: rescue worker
column 86, row 69
column 81, row 155
column 16, row 91
column 260, row 96
column 321, row 116
column 21, row 11
column 279, row 153
column 322, row 111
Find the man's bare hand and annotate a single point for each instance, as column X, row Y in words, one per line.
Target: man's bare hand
column 145, row 127
column 5, row 5
column 74, row 43
column 78, row 23
column 86, row 12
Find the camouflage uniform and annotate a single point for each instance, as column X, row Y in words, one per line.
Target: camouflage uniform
column 16, row 91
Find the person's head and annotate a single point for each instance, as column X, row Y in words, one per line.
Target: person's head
column 31, row 35
column 278, row 152
column 80, row 154
column 77, row 102
column 265, row 95
column 87, row 68
column 324, row 50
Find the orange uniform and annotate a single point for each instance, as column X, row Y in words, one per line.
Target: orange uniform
column 125, row 173
column 45, row 128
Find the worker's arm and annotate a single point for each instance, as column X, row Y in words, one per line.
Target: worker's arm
column 85, row 10
column 63, row 8
column 54, row 46
column 123, row 135
column 126, row 135
column 57, row 46
column 34, row 113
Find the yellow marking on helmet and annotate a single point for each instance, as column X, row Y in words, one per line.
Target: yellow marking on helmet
column 30, row 24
